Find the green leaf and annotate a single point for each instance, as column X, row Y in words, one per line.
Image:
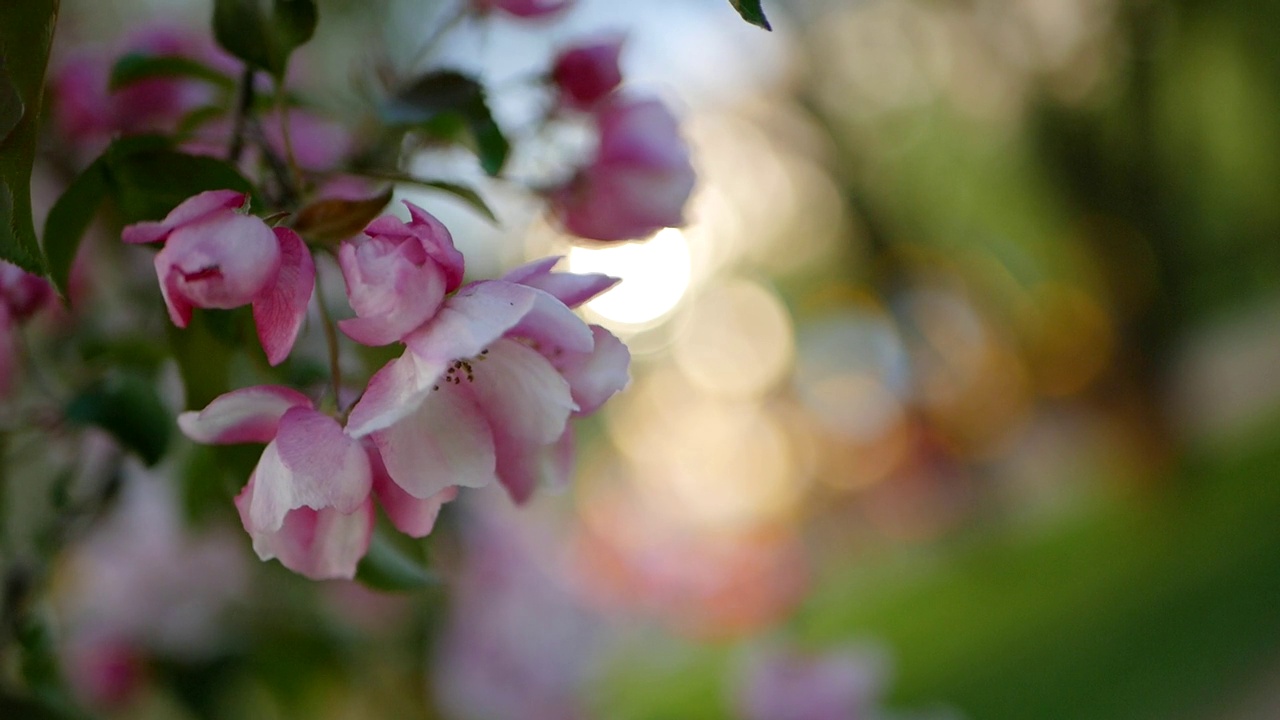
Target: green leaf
column 387, row 567
column 462, row 192
column 751, row 11
column 69, row 218
column 10, row 104
column 262, row 39
column 431, row 101
column 148, row 179
column 26, row 31
column 203, row 358
column 136, row 67
column 331, row 220
column 127, row 406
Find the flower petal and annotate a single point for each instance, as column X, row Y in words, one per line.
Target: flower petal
column 190, row 210
column 553, row 327
column 247, row 415
column 471, row 320
column 410, row 515
column 596, row 376
column 527, row 404
column 572, row 289
column 311, row 463
column 279, row 310
column 445, row 442
column 393, row 392
column 320, row 544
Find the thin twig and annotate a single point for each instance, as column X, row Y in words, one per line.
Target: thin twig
column 331, row 339
column 243, row 109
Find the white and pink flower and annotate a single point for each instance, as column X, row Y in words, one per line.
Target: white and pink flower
column 487, row 386
column 639, row 180
column 397, row 276
column 217, row 256
column 308, row 502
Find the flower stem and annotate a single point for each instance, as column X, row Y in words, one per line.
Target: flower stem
column 331, row 339
column 244, row 107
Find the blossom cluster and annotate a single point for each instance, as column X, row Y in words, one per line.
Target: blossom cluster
column 491, row 374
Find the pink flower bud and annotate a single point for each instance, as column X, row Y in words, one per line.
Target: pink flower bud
column 587, row 73
column 522, row 8
column 639, row 180
column 22, row 293
column 216, row 257
column 397, row 276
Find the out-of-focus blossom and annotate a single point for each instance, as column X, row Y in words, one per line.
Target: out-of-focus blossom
column 586, row 73
column 639, row 180
column 522, row 8
column 21, row 295
column 488, row 384
column 89, row 114
column 308, row 501
column 397, row 276
column 216, row 256
column 517, row 645
column 786, row 684
column 139, row 586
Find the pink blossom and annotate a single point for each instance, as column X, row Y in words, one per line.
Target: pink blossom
column 87, row 112
column 523, row 8
column 397, row 276
column 585, row 74
column 638, row 181
column 308, row 502
column 215, row 256
column 487, row 386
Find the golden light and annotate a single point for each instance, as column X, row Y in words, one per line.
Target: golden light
column 655, row 276
column 738, row 341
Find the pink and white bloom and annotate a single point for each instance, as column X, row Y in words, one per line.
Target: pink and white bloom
column 308, row 502
column 639, row 180
column 217, row 256
column 397, row 276
column 21, row 296
column 586, row 73
column 529, row 9
column 486, row 387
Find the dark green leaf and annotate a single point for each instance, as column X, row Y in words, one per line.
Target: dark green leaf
column 442, row 95
column 70, row 217
column 462, row 192
column 136, row 67
column 261, row 38
column 26, row 30
column 203, row 358
column 387, row 567
column 10, row 104
column 334, row 219
column 751, row 11
column 148, row 179
column 127, row 406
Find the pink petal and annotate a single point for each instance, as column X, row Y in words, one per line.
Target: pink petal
column 247, row 415
column 527, row 404
column 389, row 292
column 438, row 243
column 311, row 463
column 189, row 211
column 596, row 376
column 469, row 321
column 279, row 310
column 553, row 327
column 222, row 262
column 524, row 466
column 320, row 544
column 411, row 516
column 174, row 301
column 572, row 289
column 446, row 442
column 393, row 392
